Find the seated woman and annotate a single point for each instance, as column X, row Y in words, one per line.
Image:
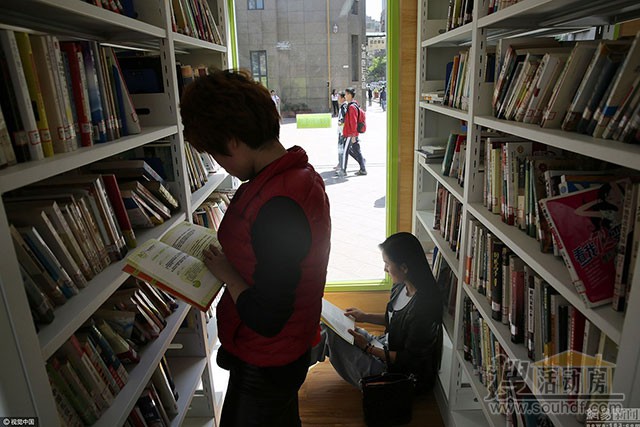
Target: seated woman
column 412, row 343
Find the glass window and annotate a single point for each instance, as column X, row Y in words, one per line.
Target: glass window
column 354, row 6
column 255, row 4
column 259, row 66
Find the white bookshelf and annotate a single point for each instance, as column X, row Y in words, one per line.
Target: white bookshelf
column 434, row 122
column 25, row 351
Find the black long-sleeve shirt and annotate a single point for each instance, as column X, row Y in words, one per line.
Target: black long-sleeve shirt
column 281, row 239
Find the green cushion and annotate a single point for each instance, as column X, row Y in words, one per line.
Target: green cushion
column 315, row 120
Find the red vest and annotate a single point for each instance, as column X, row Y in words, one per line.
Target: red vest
column 290, row 176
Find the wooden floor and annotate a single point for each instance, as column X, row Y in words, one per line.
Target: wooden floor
column 327, row 400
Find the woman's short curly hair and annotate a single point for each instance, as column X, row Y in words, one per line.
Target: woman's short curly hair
column 226, row 105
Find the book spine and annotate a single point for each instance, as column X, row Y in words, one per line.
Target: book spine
column 31, row 76
column 12, row 54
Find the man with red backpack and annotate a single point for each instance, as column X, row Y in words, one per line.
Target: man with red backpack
column 354, row 125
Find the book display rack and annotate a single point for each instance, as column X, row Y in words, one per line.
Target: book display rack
column 178, row 35
column 517, row 288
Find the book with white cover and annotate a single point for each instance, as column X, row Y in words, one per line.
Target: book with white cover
column 621, row 86
column 552, row 67
column 605, row 49
column 334, row 318
column 58, row 125
column 567, row 85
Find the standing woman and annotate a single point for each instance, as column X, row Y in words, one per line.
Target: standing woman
column 412, row 342
column 275, row 248
column 334, row 102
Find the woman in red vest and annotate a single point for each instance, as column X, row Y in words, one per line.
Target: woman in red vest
column 275, row 240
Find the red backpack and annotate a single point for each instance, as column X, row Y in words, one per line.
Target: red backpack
column 362, row 118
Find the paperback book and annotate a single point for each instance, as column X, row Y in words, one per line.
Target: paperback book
column 175, row 263
column 586, row 225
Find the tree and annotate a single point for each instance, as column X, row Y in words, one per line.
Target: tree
column 378, row 68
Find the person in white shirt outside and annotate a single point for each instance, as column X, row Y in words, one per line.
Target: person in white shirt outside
column 276, row 100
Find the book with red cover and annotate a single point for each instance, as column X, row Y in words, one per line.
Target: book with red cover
column 113, row 192
column 586, row 225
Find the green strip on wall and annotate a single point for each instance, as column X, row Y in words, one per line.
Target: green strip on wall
column 233, row 46
column 314, row 120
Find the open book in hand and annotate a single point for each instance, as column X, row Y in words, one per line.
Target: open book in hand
column 334, row 318
column 175, row 264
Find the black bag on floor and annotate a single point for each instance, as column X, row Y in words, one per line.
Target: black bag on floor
column 387, row 399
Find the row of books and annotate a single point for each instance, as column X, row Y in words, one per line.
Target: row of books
column 210, row 213
column 458, row 82
column 460, row 12
column 88, row 371
column 123, row 7
column 67, row 229
column 58, row 96
column 496, row 5
column 446, row 281
column 537, row 315
column 200, row 165
column 497, row 373
column 453, row 162
column 448, row 217
column 194, row 18
column 569, row 376
column 561, row 200
column 591, row 88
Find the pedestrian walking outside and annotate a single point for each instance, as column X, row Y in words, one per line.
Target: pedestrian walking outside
column 383, row 98
column 350, row 131
column 276, row 100
column 343, row 152
column 334, row 102
column 369, row 95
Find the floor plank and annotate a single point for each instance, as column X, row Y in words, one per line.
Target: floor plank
column 327, row 400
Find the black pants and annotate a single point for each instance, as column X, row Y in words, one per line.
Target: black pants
column 336, row 107
column 262, row 397
column 356, row 153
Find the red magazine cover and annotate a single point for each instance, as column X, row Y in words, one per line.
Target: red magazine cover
column 587, row 226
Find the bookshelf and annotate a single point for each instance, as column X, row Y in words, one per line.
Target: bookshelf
column 434, row 122
column 191, row 352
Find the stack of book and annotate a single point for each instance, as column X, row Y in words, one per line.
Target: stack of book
column 447, row 217
column 200, row 165
column 123, row 7
column 563, row 200
column 496, row 5
column 59, row 96
column 89, row 369
column 194, row 18
column 591, row 87
column 210, row 213
column 460, row 12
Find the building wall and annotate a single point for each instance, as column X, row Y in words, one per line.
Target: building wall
column 297, row 38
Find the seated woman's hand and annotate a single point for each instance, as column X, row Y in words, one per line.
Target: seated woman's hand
column 359, row 340
column 357, row 314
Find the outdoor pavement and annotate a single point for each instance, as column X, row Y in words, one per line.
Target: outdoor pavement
column 357, row 202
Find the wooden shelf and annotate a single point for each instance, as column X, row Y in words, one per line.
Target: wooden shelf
column 187, row 374
column 455, row 37
column 201, row 194
column 616, row 152
column 447, row 111
column 23, row 174
column 514, row 351
column 567, row 14
column 189, row 43
column 77, row 18
column 451, row 184
column 141, row 373
column 551, row 269
column 70, row 316
column 480, row 391
column 426, row 219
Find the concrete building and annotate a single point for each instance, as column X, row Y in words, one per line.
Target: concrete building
column 303, row 48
